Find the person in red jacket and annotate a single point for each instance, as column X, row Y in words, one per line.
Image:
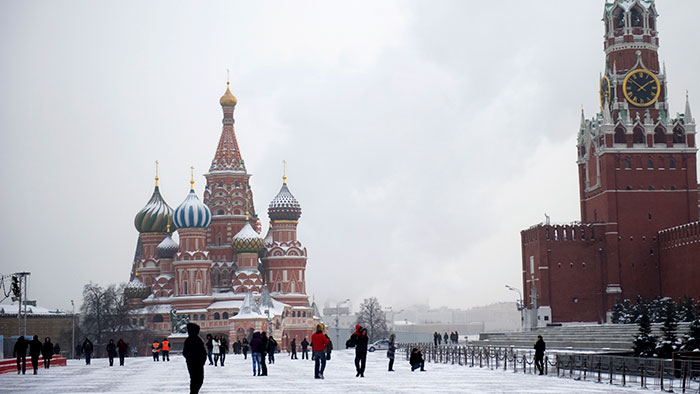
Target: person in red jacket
column 318, row 344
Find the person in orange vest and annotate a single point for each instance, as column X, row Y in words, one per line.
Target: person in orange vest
column 155, row 348
column 165, row 349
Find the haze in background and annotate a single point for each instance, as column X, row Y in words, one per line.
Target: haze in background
column 421, row 137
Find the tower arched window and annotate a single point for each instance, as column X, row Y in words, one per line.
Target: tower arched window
column 659, row 136
column 638, row 136
column 218, row 239
column 637, row 17
column 628, row 163
column 678, row 135
column 618, row 18
column 620, row 136
column 220, row 212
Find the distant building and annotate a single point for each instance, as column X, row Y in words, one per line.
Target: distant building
column 223, row 274
column 639, row 230
column 40, row 321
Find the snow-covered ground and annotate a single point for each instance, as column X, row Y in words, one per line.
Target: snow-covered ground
column 143, row 375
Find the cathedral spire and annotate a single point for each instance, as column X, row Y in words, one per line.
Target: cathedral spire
column 227, row 156
column 688, row 116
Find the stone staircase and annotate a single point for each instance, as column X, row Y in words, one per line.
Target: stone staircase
column 607, row 338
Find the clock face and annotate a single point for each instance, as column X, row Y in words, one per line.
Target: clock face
column 606, row 91
column 641, row 88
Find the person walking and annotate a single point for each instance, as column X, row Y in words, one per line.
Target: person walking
column 271, row 348
column 391, row 352
column 165, row 349
column 539, row 354
column 361, row 352
column 435, row 338
column 20, row 351
column 155, row 349
column 456, row 338
column 255, row 353
column 210, row 348
column 223, row 349
column 416, row 360
column 215, row 349
column 263, row 352
column 87, row 350
column 319, row 341
column 195, row 356
column 78, row 351
column 111, row 352
column 293, row 348
column 35, row 352
column 122, row 348
column 245, row 347
column 237, row 347
column 47, row 352
column 56, row 349
column 304, row 349
column 446, row 338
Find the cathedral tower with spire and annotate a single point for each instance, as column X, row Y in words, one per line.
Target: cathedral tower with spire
column 637, row 178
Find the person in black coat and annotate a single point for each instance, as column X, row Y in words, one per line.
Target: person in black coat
column 56, row 349
column 122, row 348
column 304, row 349
column 271, row 348
column 416, row 360
column 329, row 347
column 87, row 350
column 47, row 352
column 244, row 348
column 293, row 349
column 263, row 350
column 210, row 348
column 111, row 351
column 195, row 356
column 34, row 352
column 361, row 352
column 539, row 354
column 223, row 349
column 20, row 351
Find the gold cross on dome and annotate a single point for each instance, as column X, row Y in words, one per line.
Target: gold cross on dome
column 284, row 171
column 156, row 172
column 192, row 178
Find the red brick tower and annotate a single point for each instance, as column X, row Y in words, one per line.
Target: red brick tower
column 228, row 195
column 636, row 165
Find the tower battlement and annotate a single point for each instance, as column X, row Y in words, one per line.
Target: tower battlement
column 574, row 232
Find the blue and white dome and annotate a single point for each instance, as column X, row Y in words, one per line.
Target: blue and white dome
column 192, row 213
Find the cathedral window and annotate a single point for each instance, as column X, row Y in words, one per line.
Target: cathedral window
column 216, row 316
column 157, row 319
column 203, row 317
column 195, row 317
column 279, row 287
column 220, row 212
column 225, row 315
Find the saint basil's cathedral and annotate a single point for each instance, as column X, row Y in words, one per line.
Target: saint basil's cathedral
column 222, row 274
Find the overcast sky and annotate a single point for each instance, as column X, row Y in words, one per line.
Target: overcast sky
column 421, row 136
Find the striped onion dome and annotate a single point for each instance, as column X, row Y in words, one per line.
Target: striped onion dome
column 167, row 248
column 155, row 216
column 284, row 206
column 192, row 213
column 136, row 290
column 247, row 240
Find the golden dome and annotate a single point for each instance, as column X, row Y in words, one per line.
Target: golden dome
column 228, row 99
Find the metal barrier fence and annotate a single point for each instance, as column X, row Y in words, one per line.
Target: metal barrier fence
column 666, row 375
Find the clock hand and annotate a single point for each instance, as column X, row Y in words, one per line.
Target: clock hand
column 635, row 83
column 645, row 85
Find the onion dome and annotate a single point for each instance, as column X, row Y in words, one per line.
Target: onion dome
column 155, row 216
column 136, row 290
column 192, row 213
column 228, row 99
column 284, row 206
column 247, row 240
column 167, row 248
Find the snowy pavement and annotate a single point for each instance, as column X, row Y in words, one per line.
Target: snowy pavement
column 143, row 375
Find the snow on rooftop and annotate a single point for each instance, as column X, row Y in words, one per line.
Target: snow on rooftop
column 11, row 309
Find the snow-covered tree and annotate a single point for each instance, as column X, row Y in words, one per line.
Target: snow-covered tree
column 669, row 343
column 644, row 342
column 686, row 310
column 691, row 341
column 373, row 318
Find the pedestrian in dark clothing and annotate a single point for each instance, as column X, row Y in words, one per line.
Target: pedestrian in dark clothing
column 439, row 339
column 87, row 350
column 47, row 352
column 456, row 338
column 329, row 347
column 223, row 349
column 111, row 351
column 237, row 347
column 263, row 352
column 255, row 353
column 391, row 352
column 319, row 341
column 246, row 347
column 416, row 360
column 210, row 348
column 539, row 354
column 35, row 352
column 78, row 351
column 195, row 356
column 122, row 349
column 361, row 352
column 56, row 349
column 446, row 338
column 20, row 351
column 271, row 348
column 304, row 349
column 293, row 348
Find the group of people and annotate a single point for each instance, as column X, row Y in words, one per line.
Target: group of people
column 158, row 349
column 36, row 348
column 216, row 348
column 452, row 338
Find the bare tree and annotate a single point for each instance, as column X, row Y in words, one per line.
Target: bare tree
column 373, row 319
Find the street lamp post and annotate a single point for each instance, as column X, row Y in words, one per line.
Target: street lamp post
column 72, row 347
column 521, row 306
column 337, row 318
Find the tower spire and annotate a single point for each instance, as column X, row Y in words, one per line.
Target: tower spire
column 191, row 177
column 284, row 171
column 156, row 173
column 688, row 116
